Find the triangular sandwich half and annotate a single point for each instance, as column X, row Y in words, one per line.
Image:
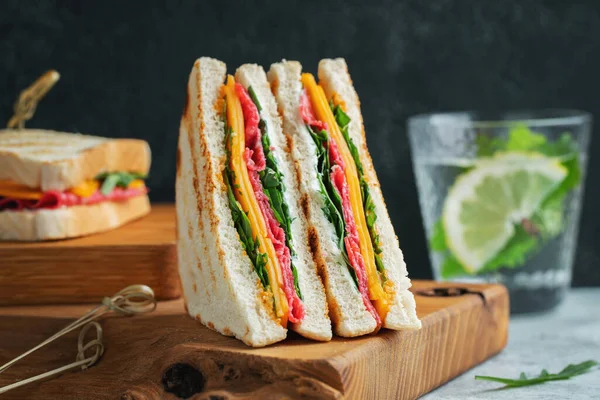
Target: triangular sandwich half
column 56, row 185
column 244, row 260
column 352, row 236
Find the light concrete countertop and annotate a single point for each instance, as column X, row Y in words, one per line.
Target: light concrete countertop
column 569, row 334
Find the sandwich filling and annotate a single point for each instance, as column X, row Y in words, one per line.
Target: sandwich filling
column 259, row 211
column 117, row 186
column 348, row 204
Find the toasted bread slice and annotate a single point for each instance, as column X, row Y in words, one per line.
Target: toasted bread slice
column 315, row 324
column 335, row 79
column 346, row 309
column 49, row 160
column 69, row 222
column 221, row 288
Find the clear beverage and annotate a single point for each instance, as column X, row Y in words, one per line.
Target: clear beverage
column 501, row 200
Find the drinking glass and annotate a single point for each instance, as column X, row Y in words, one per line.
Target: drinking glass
column 500, row 198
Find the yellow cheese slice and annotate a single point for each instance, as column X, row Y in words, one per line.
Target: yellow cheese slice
column 323, row 112
column 137, row 184
column 86, row 189
column 13, row 190
column 245, row 195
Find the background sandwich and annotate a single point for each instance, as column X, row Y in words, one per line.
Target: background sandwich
column 351, row 234
column 57, row 185
column 244, row 260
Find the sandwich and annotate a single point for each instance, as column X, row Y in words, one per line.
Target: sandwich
column 244, row 258
column 351, row 234
column 57, row 185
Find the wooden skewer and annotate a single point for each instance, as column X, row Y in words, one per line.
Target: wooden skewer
column 134, row 299
column 29, row 98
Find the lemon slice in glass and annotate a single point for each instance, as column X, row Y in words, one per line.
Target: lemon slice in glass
column 484, row 204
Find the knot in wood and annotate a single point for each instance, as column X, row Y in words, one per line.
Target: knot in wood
column 183, row 380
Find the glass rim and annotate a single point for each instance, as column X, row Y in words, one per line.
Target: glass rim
column 532, row 117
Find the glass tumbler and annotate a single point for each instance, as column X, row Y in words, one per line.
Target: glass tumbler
column 500, row 198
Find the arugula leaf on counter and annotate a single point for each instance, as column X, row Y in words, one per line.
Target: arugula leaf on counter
column 568, row 372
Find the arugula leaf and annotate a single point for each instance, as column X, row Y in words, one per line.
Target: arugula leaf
column 273, row 187
column 296, row 282
column 125, row 179
column 269, row 178
column 109, row 184
column 242, row 224
column 568, row 372
column 134, row 175
column 254, row 98
column 341, row 117
column 241, row 221
column 343, row 120
column 111, row 180
column 332, row 209
column 333, row 214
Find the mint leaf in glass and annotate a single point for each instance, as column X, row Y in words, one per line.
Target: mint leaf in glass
column 546, row 222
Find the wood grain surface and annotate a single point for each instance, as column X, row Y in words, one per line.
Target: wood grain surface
column 89, row 268
column 168, row 355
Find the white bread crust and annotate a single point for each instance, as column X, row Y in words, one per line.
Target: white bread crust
column 315, row 324
column 70, row 222
column 51, row 160
column 334, row 78
column 346, row 309
column 221, row 288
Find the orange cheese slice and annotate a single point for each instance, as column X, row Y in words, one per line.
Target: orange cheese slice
column 13, row 190
column 244, row 193
column 377, row 294
column 86, row 189
column 136, row 184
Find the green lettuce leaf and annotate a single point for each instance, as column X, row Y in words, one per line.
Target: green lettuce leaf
column 332, row 202
column 111, row 180
column 242, row 223
column 273, row 187
column 343, row 120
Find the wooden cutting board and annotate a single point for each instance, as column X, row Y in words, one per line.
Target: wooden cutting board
column 168, row 355
column 89, row 268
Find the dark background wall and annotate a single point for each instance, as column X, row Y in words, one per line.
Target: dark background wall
column 124, row 67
